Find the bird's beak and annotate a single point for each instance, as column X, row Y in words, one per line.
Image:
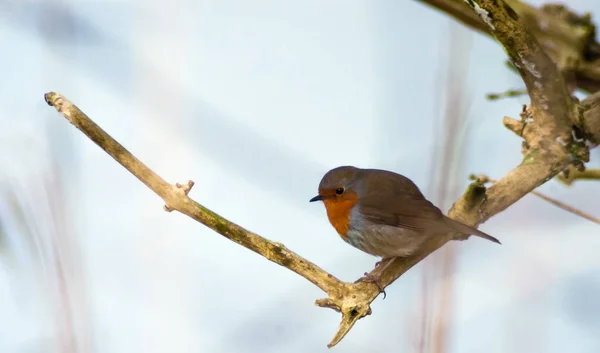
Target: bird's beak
column 316, row 198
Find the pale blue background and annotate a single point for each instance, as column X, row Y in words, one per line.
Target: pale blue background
column 255, row 101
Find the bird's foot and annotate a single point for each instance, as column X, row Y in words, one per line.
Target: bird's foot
column 384, row 259
column 370, row 278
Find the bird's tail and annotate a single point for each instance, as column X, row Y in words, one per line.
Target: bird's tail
column 468, row 230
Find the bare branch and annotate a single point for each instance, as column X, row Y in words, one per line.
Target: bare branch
column 574, row 174
column 567, row 208
column 485, row 179
column 508, row 93
column 567, row 38
column 549, row 148
column 351, row 299
column 589, row 125
column 176, row 198
column 547, row 132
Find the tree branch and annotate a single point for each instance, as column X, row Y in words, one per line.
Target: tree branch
column 567, row 38
column 574, row 174
column 505, row 94
column 589, row 125
column 567, row 208
column 485, row 179
column 176, row 198
column 351, row 299
column 548, row 146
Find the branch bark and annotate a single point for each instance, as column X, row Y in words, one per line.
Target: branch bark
column 549, row 148
column 590, row 118
column 574, row 174
column 176, row 198
column 567, row 38
column 485, row 179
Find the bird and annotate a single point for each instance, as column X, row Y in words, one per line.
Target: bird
column 384, row 214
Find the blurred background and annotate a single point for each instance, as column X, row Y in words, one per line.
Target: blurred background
column 255, row 101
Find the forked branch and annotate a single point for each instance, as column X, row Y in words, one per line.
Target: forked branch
column 549, row 148
column 569, row 39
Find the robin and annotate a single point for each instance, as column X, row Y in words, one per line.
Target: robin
column 384, row 214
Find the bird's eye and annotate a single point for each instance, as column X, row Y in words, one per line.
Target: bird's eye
column 339, row 191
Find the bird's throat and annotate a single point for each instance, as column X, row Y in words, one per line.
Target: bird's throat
column 339, row 213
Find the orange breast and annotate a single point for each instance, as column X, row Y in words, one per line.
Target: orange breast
column 338, row 212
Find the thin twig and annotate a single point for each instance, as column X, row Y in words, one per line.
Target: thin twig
column 567, row 207
column 485, row 179
column 574, row 174
column 508, row 93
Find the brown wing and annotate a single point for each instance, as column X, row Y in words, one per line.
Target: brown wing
column 396, row 201
column 418, row 215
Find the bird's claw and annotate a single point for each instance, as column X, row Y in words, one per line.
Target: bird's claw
column 369, row 278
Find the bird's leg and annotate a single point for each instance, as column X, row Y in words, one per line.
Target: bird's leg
column 371, row 278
